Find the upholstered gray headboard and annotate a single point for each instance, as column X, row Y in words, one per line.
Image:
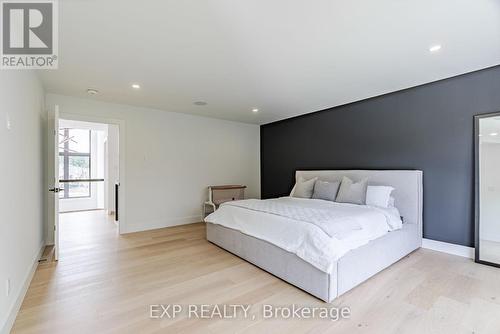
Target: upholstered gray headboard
column 408, row 193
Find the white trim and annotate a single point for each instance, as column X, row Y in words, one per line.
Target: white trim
column 11, row 318
column 445, row 247
column 157, row 224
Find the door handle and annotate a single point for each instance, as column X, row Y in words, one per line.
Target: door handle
column 56, row 190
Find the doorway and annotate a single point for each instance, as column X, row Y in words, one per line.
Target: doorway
column 86, row 182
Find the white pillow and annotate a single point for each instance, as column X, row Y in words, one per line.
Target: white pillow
column 379, row 196
column 303, row 188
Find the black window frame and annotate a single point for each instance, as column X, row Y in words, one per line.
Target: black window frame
column 66, row 154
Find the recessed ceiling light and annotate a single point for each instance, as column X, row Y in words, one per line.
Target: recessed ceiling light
column 255, row 110
column 435, row 48
column 92, row 91
column 200, row 103
column 480, row 135
column 136, row 86
column 494, row 134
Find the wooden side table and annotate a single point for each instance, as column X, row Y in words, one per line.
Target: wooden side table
column 221, row 194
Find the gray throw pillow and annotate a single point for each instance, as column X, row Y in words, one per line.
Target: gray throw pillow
column 326, row 190
column 304, row 189
column 351, row 192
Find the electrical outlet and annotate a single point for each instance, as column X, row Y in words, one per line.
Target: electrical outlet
column 7, row 287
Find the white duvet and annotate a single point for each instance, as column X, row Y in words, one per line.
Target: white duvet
column 317, row 231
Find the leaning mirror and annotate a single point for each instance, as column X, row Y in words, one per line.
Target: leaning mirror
column 487, row 170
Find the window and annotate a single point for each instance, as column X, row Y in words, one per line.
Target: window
column 74, row 162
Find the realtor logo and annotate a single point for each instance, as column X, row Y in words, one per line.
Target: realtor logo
column 29, row 34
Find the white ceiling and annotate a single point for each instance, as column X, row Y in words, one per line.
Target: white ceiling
column 285, row 57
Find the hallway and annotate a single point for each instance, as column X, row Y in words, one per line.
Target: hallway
column 82, row 233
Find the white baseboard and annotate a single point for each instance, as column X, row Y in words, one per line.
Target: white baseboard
column 445, row 247
column 153, row 225
column 11, row 318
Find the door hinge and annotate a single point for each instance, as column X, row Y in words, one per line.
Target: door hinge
column 55, row 227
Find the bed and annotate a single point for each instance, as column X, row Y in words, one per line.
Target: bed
column 330, row 277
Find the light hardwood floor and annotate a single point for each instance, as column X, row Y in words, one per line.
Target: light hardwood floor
column 104, row 283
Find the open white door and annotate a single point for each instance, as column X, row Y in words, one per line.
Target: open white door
column 55, row 189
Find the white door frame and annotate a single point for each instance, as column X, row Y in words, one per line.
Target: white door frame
column 121, row 149
column 55, row 185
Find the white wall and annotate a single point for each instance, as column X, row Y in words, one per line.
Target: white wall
column 490, row 191
column 170, row 159
column 22, row 188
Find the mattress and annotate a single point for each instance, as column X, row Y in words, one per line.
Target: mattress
column 317, row 231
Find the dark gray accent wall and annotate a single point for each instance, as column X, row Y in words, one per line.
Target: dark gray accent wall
column 428, row 127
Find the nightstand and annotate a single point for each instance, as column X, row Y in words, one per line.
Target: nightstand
column 221, row 194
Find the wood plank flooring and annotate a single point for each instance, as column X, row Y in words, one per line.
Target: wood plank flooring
column 105, row 283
